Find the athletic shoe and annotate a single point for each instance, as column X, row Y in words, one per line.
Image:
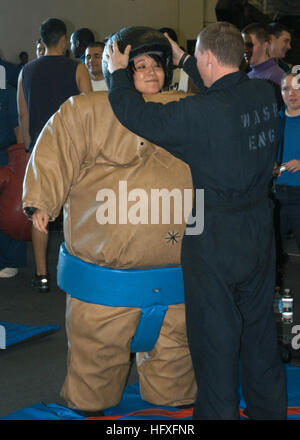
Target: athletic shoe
column 41, row 283
column 8, row 272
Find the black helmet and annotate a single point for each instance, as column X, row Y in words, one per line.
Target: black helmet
column 143, row 40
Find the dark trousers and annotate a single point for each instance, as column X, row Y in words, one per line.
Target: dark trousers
column 288, row 199
column 229, row 277
column 12, row 252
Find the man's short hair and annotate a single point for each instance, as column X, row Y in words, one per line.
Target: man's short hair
column 52, row 30
column 276, row 29
column 225, row 41
column 84, row 35
column 96, row 44
column 260, row 32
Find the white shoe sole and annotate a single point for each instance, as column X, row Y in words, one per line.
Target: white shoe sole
column 8, row 272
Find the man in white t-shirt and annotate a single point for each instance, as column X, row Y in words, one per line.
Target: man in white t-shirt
column 93, row 61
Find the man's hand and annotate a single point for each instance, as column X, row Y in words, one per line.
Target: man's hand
column 115, row 59
column 276, row 170
column 292, row 166
column 40, row 220
column 176, row 49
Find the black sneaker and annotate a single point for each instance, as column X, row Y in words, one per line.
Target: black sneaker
column 41, row 283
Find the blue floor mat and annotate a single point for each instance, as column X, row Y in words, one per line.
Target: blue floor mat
column 132, row 407
column 12, row 333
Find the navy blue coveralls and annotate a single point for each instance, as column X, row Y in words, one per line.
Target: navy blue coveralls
column 227, row 135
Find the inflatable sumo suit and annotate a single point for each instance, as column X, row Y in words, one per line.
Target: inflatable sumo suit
column 13, row 221
column 121, row 271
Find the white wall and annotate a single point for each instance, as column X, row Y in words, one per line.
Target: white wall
column 209, row 11
column 20, row 19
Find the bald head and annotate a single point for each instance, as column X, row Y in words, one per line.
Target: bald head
column 79, row 41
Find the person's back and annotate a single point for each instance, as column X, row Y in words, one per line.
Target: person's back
column 47, row 82
column 44, row 84
column 242, row 146
column 12, row 72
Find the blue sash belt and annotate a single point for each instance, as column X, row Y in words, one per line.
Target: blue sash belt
column 151, row 290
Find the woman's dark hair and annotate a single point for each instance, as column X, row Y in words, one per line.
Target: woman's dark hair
column 159, row 59
column 143, row 40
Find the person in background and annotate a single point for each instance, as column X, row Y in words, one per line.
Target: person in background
column 79, row 41
column 12, row 252
column 40, row 48
column 287, row 189
column 12, row 72
column 23, row 57
column 93, row 62
column 44, row 84
column 280, row 43
column 262, row 65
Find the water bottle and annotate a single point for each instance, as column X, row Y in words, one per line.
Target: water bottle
column 287, row 307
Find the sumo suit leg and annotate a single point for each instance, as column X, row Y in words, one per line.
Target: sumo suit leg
column 99, row 357
column 99, row 353
column 229, row 285
column 166, row 373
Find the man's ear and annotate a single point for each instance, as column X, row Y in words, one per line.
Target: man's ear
column 210, row 58
column 266, row 45
column 271, row 39
column 63, row 40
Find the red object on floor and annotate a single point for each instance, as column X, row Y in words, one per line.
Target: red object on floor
column 180, row 414
column 13, row 221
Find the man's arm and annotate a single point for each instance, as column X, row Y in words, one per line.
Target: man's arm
column 165, row 125
column 83, row 79
column 18, row 135
column 23, row 114
column 189, row 64
column 190, row 68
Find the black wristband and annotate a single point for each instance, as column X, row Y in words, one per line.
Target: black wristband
column 182, row 59
column 29, row 210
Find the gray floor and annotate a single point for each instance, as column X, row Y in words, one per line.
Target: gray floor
column 34, row 371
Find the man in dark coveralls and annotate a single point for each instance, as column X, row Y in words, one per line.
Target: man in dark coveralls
column 227, row 135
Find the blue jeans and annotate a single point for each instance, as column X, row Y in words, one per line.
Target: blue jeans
column 12, row 252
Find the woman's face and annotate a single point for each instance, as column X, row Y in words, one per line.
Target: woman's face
column 149, row 76
column 40, row 49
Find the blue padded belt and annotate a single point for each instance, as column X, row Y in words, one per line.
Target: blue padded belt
column 151, row 290
column 148, row 330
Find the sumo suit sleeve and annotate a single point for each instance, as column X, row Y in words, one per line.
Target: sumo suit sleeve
column 55, row 161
